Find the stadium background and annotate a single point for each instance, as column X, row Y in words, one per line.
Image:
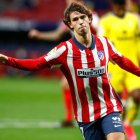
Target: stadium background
column 31, row 103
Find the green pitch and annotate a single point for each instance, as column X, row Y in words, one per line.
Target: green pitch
column 31, row 109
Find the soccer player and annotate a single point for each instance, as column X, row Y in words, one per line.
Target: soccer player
column 83, row 59
column 122, row 28
column 55, row 35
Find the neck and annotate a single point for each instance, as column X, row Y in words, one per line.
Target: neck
column 85, row 39
column 119, row 15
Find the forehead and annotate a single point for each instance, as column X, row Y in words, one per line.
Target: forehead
column 76, row 14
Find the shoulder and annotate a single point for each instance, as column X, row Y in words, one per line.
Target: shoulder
column 101, row 39
column 106, row 19
column 107, row 16
column 62, row 44
column 104, row 41
column 65, row 45
column 60, row 48
column 69, row 43
column 132, row 16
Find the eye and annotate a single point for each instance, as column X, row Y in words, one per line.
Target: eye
column 83, row 17
column 75, row 19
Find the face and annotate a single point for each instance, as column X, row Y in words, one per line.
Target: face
column 80, row 23
column 119, row 10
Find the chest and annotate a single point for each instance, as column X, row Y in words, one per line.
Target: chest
column 86, row 58
column 122, row 27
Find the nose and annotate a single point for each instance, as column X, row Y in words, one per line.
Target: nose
column 80, row 21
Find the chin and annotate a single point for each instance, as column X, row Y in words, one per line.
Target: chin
column 83, row 32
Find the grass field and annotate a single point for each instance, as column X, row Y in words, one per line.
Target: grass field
column 32, row 108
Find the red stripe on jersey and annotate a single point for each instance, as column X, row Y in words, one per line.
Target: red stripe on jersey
column 80, row 83
column 66, row 71
column 71, row 85
column 68, row 76
column 105, row 86
column 93, row 85
column 119, row 105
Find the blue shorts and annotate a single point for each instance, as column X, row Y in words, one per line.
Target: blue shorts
column 99, row 129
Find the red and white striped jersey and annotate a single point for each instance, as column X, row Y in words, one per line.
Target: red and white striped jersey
column 87, row 74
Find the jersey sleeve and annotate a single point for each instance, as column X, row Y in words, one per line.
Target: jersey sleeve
column 53, row 58
column 121, row 60
column 28, row 64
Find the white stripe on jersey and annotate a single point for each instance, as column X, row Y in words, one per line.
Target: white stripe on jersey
column 55, row 54
column 113, row 48
column 87, row 87
column 99, row 82
column 71, row 68
column 112, row 98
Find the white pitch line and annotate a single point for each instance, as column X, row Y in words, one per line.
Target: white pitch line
column 29, row 123
column 12, row 123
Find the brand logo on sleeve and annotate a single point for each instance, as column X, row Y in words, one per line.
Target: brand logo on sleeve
column 91, row 72
column 52, row 51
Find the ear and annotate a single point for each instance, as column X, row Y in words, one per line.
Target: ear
column 90, row 20
column 70, row 25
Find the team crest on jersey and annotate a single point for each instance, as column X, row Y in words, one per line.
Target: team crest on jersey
column 101, row 55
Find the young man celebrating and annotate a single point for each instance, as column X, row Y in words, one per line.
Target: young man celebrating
column 83, row 59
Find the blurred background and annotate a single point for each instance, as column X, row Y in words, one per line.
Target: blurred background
column 31, row 103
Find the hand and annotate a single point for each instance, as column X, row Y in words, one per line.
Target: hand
column 33, row 33
column 3, row 59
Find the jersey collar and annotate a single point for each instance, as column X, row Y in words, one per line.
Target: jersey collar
column 81, row 46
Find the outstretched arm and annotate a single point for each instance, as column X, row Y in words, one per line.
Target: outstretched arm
column 126, row 64
column 25, row 64
column 54, row 57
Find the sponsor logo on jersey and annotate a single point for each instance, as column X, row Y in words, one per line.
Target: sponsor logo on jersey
column 116, row 118
column 91, row 72
column 116, row 121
